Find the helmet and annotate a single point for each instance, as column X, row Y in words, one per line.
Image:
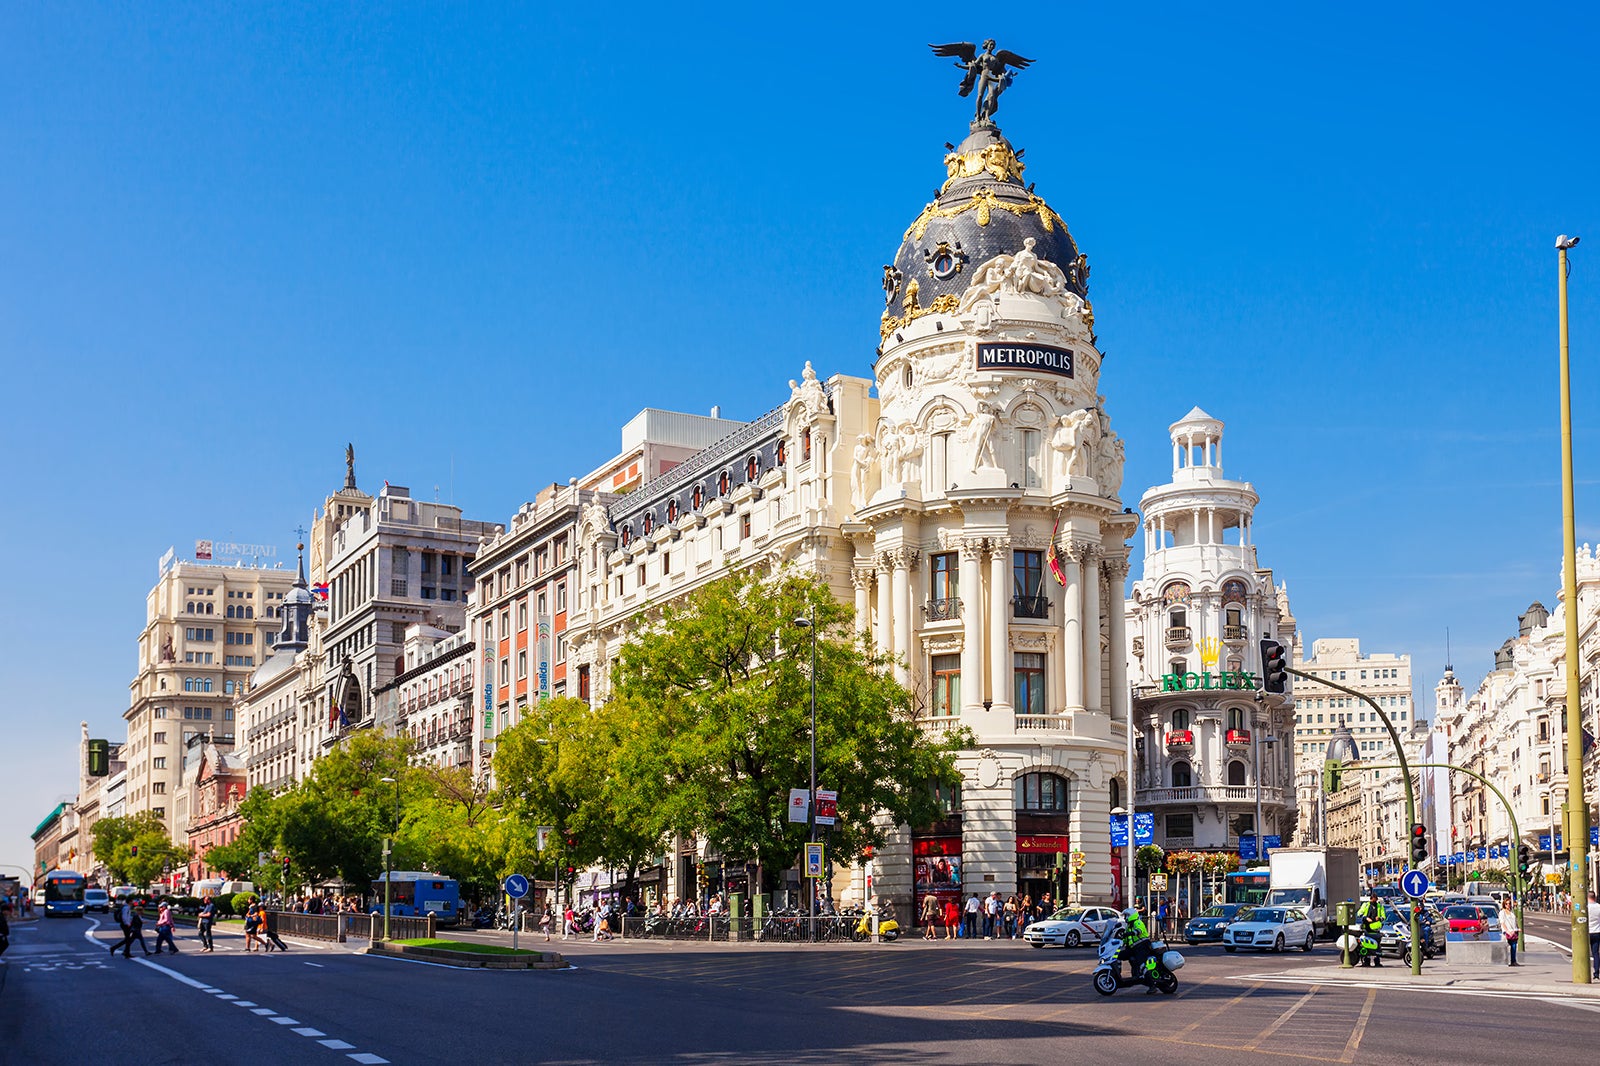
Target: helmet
column 1131, row 913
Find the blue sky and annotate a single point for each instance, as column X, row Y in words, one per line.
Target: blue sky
column 476, row 241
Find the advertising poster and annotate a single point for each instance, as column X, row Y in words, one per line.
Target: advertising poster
column 936, row 871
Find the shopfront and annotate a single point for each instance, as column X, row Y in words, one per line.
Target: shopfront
column 936, row 868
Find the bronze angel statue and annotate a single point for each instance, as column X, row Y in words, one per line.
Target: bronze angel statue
column 986, row 71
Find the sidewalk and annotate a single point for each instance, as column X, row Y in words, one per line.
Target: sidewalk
column 1546, row 971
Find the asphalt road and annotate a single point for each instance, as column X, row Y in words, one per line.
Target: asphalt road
column 64, row 999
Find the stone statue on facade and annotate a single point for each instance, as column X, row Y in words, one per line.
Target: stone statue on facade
column 1075, row 441
column 813, row 401
column 982, row 430
column 861, row 470
column 1112, row 458
column 1023, row 273
column 986, row 72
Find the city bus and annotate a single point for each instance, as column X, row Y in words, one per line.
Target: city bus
column 417, row 892
column 1248, row 887
column 63, row 894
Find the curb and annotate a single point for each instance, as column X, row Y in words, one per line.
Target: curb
column 544, row 960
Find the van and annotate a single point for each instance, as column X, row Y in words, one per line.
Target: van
column 122, row 892
column 97, row 899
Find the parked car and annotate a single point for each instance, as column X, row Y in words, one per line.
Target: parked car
column 1070, row 927
column 1270, row 928
column 1208, row 926
column 97, row 899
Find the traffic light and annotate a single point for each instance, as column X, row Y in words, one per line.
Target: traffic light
column 1332, row 775
column 1274, row 667
column 286, row 871
column 1419, row 845
column 1524, row 860
column 99, row 758
column 134, row 851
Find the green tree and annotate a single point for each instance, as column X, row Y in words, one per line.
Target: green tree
column 451, row 825
column 715, row 722
column 136, row 848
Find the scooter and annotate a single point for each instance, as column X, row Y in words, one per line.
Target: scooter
column 1108, row 976
column 888, row 928
column 1362, row 946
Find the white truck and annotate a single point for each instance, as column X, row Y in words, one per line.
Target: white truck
column 1316, row 880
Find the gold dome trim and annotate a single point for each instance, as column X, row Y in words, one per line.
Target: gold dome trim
column 984, row 202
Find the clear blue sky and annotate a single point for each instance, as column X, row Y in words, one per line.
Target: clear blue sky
column 475, row 243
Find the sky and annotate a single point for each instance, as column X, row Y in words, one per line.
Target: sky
column 475, row 240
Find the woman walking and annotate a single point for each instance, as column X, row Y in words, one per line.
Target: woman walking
column 930, row 916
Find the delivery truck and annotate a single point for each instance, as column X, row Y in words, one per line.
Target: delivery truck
column 1315, row 880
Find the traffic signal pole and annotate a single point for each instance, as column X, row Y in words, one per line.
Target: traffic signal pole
column 1405, row 774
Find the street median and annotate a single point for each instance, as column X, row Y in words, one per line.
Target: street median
column 471, row 956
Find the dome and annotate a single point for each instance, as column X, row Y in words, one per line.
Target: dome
column 983, row 210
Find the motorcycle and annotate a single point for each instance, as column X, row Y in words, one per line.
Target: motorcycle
column 1108, row 977
column 1402, row 937
column 1363, row 946
column 888, row 927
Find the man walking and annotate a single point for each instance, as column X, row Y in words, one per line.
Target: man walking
column 970, row 930
column 208, row 914
column 269, row 930
column 164, row 928
column 132, row 929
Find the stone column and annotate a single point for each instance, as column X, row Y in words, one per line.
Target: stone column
column 901, row 558
column 972, row 651
column 861, row 578
column 1000, row 621
column 1092, row 699
column 1116, row 583
column 1072, row 629
column 884, row 630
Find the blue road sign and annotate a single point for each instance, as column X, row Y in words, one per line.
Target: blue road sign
column 1483, row 853
column 1594, row 836
column 1274, row 841
column 516, row 886
column 1544, row 841
column 1415, row 884
column 1247, row 847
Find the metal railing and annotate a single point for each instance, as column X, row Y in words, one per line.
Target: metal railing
column 780, row 927
column 1209, row 794
column 1030, row 606
column 944, row 610
column 311, row 926
column 401, row 927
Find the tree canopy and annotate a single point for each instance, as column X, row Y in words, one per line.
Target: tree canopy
column 136, row 848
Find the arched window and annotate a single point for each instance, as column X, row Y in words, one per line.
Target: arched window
column 1236, row 772
column 1180, row 718
column 783, row 451
column 724, row 482
column 752, row 468
column 805, row 446
column 1236, row 718
column 649, row 523
column 1116, row 793
column 699, row 497
column 208, row 684
column 188, row 684
column 1181, row 775
column 1042, row 792
column 627, row 535
column 672, row 510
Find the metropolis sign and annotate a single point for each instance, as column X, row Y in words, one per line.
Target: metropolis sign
column 1040, row 358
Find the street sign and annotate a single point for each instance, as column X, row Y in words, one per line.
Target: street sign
column 1544, row 841
column 516, row 886
column 1415, row 884
column 1483, row 853
column 1274, row 841
column 1247, row 847
column 827, row 806
column 1158, row 882
column 813, row 860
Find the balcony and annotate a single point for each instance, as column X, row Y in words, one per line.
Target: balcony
column 1180, row 738
column 942, row 610
column 1237, row 737
column 1234, row 634
column 1044, row 723
column 1178, row 637
column 1030, row 606
column 940, row 724
column 1217, row 794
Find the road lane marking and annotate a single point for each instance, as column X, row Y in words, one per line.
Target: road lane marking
column 264, row 1011
column 367, row 1057
column 1262, row 1036
column 281, row 1020
column 318, row 965
column 337, row 1045
column 306, row 1030
column 243, row 1003
column 1361, row 1027
column 1234, row 1002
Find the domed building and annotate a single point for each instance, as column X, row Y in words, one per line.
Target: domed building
column 966, row 499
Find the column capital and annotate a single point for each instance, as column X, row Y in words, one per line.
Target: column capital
column 1117, row 568
column 903, row 558
column 999, row 544
column 861, row 576
column 1084, row 552
column 972, row 548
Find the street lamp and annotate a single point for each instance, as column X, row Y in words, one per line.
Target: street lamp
column 809, row 622
column 388, row 854
column 1261, row 831
column 1577, row 804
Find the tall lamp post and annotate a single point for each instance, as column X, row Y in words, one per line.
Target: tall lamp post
column 1261, row 828
column 1577, row 805
column 809, row 622
column 388, row 854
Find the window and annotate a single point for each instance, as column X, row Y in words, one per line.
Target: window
column 561, row 597
column 938, row 463
column 1027, row 573
column 522, row 665
column 1028, row 683
column 160, row 738
column 666, row 563
column 159, row 788
column 752, row 468
column 805, row 446
column 946, row 685
column 1032, row 470
column 505, row 671
column 1236, row 773
column 561, row 647
column 946, row 576
column 1180, row 718
column 1180, row 825
column 1041, row 792
column 1236, row 719
column 1182, row 776
column 744, row 526
column 522, row 616
column 159, row 762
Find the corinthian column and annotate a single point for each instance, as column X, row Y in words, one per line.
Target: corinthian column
column 1091, row 629
column 1072, row 629
column 999, row 621
column 1116, row 582
column 902, row 559
column 972, row 652
column 883, row 633
column 861, row 578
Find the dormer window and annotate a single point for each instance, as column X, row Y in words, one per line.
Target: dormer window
column 752, row 468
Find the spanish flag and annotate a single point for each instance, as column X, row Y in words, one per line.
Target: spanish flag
column 1052, row 558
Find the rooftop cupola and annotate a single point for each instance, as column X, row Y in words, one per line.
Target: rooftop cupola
column 1196, row 447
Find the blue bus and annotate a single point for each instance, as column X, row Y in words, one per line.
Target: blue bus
column 63, row 894
column 1248, row 887
column 417, row 892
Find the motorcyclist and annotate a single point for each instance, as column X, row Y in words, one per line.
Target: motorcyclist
column 1370, row 918
column 1137, row 949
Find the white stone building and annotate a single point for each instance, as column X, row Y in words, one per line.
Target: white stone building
column 1212, row 747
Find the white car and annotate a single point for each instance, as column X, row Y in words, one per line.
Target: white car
column 1070, row 927
column 1270, row 929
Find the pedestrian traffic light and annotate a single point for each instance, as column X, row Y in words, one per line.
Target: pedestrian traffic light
column 1524, row 860
column 134, row 850
column 1419, row 845
column 1332, row 775
column 99, row 758
column 1274, row 667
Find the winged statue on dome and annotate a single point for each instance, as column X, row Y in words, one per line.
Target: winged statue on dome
column 987, row 72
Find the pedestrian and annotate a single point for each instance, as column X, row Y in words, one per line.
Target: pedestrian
column 546, row 920
column 124, row 916
column 269, row 930
column 133, row 925
column 930, row 916
column 164, row 928
column 1025, row 910
column 1011, row 916
column 1508, row 926
column 1161, row 917
column 252, row 927
column 208, row 915
column 970, row 928
column 952, row 919
column 1594, row 934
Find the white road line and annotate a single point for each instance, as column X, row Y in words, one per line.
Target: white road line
column 308, row 1031
column 222, row 995
column 243, row 1003
column 367, row 1057
column 281, row 1020
column 337, row 1045
column 318, row 965
column 264, row 1011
